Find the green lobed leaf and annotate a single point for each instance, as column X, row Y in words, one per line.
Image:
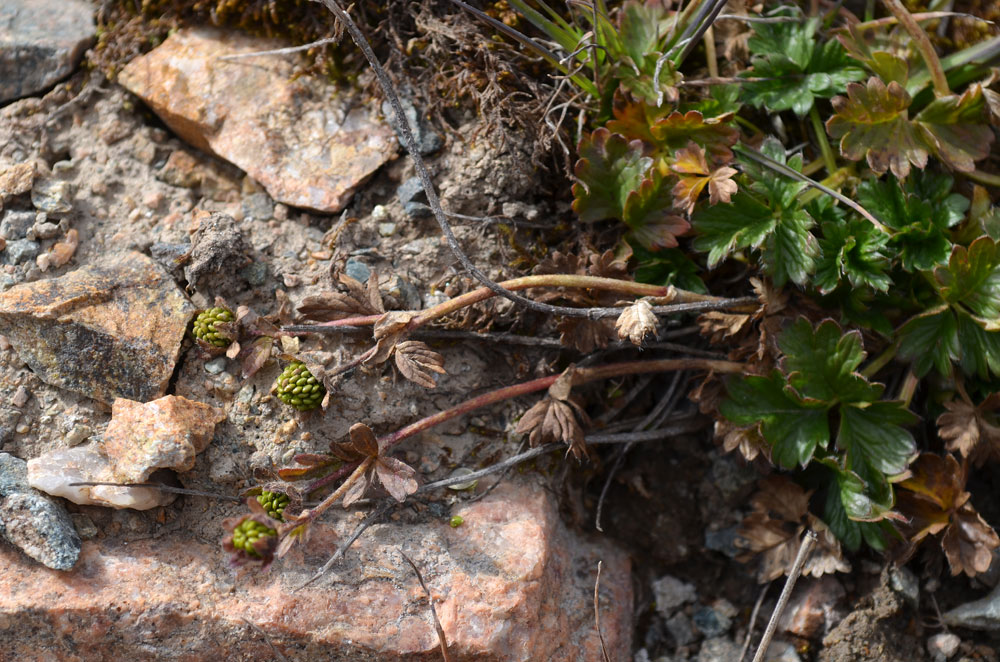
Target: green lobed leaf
column 609, row 169
column 793, row 429
column 727, row 228
column 780, row 191
column 791, row 249
column 843, row 486
column 669, row 266
column 920, row 210
column 797, row 67
column 872, row 123
column 972, row 279
column 956, row 128
column 715, row 134
column 930, row 340
column 821, row 364
column 648, row 212
column 979, row 348
column 874, row 440
column 852, row 252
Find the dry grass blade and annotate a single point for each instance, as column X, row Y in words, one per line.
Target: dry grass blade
column 786, row 592
column 597, row 614
column 430, row 599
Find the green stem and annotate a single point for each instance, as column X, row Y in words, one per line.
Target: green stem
column 909, row 387
column 880, row 361
column 824, row 144
column 923, row 44
column 984, row 178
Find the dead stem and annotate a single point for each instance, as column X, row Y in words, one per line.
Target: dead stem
column 923, row 44
column 309, row 516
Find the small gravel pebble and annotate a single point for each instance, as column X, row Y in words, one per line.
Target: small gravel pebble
column 670, row 593
column 943, row 646
column 216, row 365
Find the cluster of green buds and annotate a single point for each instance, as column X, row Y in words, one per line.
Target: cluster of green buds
column 274, row 504
column 204, row 325
column 247, row 533
column 298, row 387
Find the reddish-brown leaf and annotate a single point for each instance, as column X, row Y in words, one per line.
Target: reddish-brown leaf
column 586, row 335
column 969, row 429
column 396, row 477
column 358, row 300
column 416, row 361
column 969, row 542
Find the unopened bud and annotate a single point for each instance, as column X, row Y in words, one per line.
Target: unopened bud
column 636, row 322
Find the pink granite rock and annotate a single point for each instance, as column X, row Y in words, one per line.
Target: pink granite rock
column 298, row 138
column 511, row 584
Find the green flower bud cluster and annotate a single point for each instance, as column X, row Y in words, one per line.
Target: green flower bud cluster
column 248, row 532
column 274, row 503
column 298, row 387
column 204, row 325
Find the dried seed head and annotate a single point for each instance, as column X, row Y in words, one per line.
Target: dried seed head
column 636, row 322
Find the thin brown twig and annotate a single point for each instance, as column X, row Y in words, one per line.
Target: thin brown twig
column 281, row 51
column 753, row 622
column 430, row 599
column 786, row 592
column 267, row 639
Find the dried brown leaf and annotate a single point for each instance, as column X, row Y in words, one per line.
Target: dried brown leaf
column 586, row 335
column 359, row 300
column 968, row 429
column 720, row 326
column 285, row 307
column 608, row 265
column 747, row 440
column 396, row 477
column 389, row 330
column 933, row 499
column 416, row 361
column 255, row 355
column 554, row 419
column 775, row 526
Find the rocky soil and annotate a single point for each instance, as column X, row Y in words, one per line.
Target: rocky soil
column 128, row 205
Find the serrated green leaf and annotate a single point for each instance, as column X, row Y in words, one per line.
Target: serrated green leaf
column 852, row 252
column 921, row 211
column 956, row 128
column 871, row 123
column 727, row 228
column 648, row 212
column 980, row 349
column 850, row 532
column 715, row 134
column 821, row 364
column 930, row 340
column 797, row 68
column 792, row 428
column 874, row 440
column 609, row 169
column 972, row 278
column 780, row 191
column 791, row 250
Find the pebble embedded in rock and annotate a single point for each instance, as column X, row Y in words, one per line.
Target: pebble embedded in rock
column 782, row 651
column 258, row 206
column 18, row 178
column 670, row 593
column 22, row 250
column 426, row 139
column 814, row 607
column 680, row 628
column 903, row 581
column 52, row 196
column 718, row 649
column 15, row 224
column 294, row 135
column 357, row 270
column 106, row 331
column 943, row 646
column 34, row 522
column 714, row 621
column 41, row 42
column 216, row 365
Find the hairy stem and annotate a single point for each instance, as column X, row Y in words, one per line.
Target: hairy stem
column 309, row 516
column 582, row 376
column 824, row 144
column 923, row 44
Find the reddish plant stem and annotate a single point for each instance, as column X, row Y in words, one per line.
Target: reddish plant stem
column 526, row 282
column 583, row 375
column 309, row 516
column 335, row 476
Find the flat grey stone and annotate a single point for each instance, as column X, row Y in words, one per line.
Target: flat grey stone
column 41, row 42
column 22, row 250
column 35, row 523
column 15, row 224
